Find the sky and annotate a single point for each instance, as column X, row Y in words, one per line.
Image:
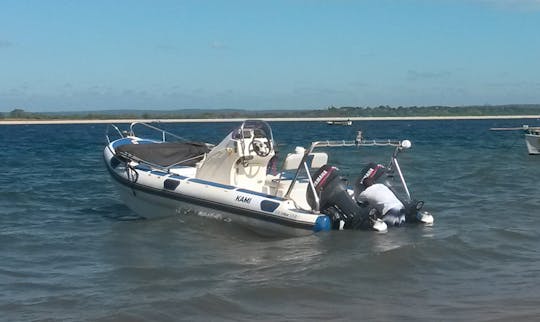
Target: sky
column 262, row 55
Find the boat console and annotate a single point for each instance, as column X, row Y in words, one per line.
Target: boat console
column 242, row 157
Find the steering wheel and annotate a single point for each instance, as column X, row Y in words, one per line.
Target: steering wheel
column 260, row 148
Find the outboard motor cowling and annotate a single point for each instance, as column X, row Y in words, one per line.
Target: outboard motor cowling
column 336, row 201
column 372, row 172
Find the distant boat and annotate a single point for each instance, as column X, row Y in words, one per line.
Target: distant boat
column 532, row 136
column 339, row 122
column 532, row 139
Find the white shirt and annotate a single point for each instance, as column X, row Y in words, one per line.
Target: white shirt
column 381, row 197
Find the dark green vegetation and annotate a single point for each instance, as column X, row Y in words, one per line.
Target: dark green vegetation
column 346, row 111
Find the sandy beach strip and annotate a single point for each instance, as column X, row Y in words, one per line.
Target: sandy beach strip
column 271, row 119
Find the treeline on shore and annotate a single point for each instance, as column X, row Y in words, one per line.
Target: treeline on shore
column 345, row 111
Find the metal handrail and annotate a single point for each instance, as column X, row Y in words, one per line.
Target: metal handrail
column 163, row 132
column 157, row 166
column 346, row 143
column 115, row 128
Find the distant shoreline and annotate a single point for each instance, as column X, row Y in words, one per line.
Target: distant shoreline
column 270, row 119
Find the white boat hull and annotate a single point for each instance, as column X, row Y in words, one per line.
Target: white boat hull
column 152, row 206
column 148, row 196
column 346, row 123
column 533, row 143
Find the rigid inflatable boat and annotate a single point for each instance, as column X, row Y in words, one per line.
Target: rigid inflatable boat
column 165, row 176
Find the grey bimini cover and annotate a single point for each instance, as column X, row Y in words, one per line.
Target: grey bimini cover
column 165, row 154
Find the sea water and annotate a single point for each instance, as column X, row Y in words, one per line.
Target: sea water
column 70, row 250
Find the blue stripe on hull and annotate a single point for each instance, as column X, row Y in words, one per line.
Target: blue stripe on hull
column 210, row 183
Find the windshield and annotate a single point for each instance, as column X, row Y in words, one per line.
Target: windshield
column 259, row 128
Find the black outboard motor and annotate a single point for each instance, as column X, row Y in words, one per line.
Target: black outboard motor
column 371, row 172
column 336, row 201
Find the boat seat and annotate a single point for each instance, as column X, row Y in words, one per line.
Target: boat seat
column 279, row 185
column 315, row 160
column 292, row 162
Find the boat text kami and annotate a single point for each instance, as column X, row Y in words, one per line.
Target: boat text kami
column 243, row 199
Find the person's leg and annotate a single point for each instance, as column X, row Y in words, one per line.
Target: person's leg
column 394, row 217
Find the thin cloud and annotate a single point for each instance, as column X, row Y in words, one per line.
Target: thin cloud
column 218, row 45
column 531, row 5
column 166, row 47
column 416, row 75
column 6, row 44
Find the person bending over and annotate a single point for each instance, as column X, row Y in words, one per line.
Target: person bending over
column 380, row 197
